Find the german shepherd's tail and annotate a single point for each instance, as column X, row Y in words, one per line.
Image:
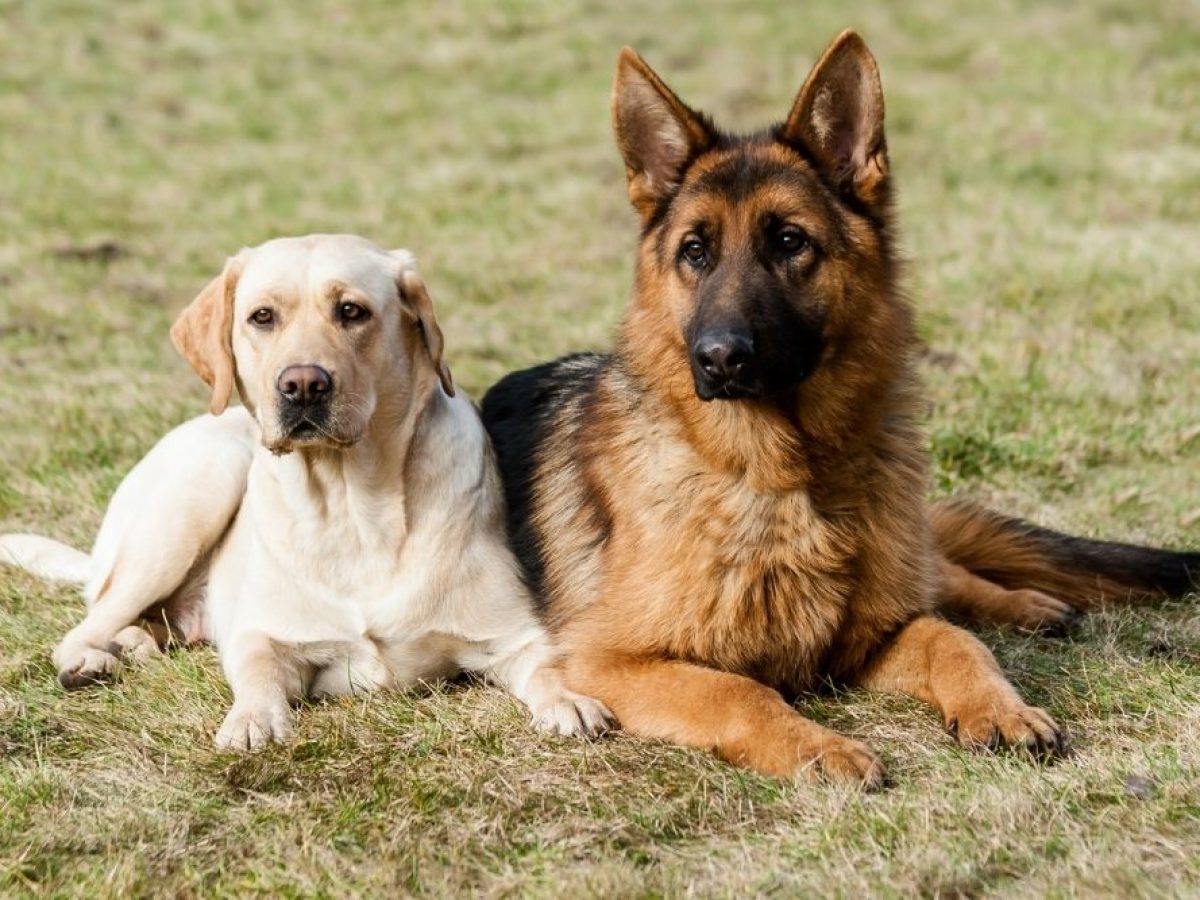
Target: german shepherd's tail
column 1086, row 573
column 45, row 557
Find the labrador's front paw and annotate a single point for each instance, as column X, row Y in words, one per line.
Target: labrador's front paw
column 85, row 666
column 251, row 727
column 569, row 713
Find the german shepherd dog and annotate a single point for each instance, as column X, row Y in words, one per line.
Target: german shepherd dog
column 730, row 508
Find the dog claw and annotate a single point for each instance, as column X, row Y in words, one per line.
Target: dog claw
column 253, row 728
column 90, row 668
column 1025, row 727
column 1035, row 611
column 573, row 714
column 847, row 762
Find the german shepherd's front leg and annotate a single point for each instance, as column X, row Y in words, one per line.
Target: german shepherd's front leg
column 952, row 671
column 746, row 722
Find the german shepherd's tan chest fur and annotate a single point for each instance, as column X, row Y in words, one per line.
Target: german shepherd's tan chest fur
column 658, row 552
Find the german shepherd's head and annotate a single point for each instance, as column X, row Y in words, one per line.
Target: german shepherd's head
column 765, row 271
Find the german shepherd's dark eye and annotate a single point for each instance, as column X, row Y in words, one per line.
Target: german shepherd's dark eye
column 694, row 251
column 263, row 317
column 791, row 241
column 352, row 312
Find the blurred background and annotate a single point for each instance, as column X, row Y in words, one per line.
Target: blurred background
column 1047, row 157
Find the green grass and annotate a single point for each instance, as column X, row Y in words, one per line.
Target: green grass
column 1048, row 160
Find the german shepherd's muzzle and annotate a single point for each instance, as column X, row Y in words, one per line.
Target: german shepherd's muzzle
column 754, row 332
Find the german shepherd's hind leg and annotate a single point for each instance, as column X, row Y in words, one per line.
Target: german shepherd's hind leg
column 951, row 670
column 966, row 596
column 165, row 518
column 1027, row 560
column 745, row 722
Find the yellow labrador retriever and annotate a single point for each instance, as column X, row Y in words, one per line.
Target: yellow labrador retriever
column 342, row 531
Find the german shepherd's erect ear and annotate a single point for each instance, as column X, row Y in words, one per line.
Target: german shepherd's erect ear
column 657, row 133
column 838, row 118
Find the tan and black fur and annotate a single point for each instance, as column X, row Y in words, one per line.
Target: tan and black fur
column 730, row 508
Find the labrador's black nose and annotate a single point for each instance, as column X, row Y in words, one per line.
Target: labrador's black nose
column 304, row 385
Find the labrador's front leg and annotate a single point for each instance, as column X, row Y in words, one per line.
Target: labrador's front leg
column 533, row 675
column 266, row 678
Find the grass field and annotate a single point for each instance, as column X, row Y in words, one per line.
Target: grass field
column 1048, row 159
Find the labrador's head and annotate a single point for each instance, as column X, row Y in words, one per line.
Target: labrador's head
column 319, row 333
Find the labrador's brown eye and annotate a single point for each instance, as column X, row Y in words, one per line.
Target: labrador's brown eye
column 352, row 312
column 263, row 317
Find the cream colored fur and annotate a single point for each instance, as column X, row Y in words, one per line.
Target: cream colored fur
column 370, row 556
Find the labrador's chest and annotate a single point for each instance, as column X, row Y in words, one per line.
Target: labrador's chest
column 348, row 584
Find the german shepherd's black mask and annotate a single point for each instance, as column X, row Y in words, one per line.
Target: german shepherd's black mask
column 760, row 242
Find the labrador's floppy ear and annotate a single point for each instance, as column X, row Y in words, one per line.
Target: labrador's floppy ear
column 203, row 335
column 838, row 117
column 412, row 290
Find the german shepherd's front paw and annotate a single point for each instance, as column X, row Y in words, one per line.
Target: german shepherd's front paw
column 990, row 726
column 844, row 761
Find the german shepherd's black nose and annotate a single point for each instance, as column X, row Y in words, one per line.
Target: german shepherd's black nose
column 722, row 365
column 304, row 385
column 723, row 355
